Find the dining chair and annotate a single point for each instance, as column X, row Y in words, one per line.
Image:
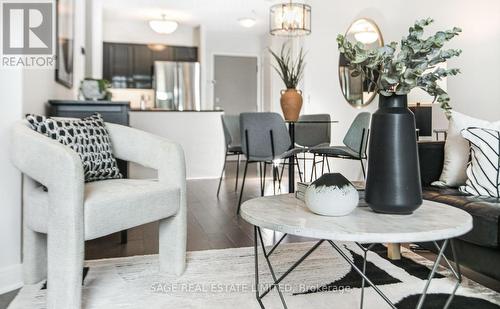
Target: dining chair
column 264, row 139
column 231, row 127
column 355, row 143
column 313, row 130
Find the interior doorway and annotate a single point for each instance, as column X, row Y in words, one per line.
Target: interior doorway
column 236, row 83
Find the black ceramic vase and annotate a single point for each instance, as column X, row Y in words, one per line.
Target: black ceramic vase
column 393, row 180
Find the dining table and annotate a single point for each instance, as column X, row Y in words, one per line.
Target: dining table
column 291, row 161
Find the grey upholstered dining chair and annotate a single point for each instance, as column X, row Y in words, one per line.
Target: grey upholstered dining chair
column 231, row 127
column 313, row 130
column 355, row 143
column 58, row 219
column 309, row 134
column 264, row 139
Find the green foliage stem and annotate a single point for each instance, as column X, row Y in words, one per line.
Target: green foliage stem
column 289, row 70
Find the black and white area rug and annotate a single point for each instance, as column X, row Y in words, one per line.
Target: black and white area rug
column 225, row 279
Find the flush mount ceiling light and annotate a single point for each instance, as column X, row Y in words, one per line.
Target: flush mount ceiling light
column 247, row 22
column 290, row 19
column 163, row 26
column 364, row 31
column 366, row 37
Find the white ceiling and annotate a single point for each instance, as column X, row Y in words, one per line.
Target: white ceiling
column 216, row 15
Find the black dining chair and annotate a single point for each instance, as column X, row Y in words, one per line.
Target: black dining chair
column 264, row 139
column 355, row 143
column 231, row 126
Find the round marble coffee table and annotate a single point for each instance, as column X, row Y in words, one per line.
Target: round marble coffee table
column 432, row 222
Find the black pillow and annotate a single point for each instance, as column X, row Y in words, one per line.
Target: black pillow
column 88, row 137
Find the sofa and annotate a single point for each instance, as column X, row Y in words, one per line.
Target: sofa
column 479, row 249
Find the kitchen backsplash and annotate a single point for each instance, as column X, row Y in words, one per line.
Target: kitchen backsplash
column 134, row 96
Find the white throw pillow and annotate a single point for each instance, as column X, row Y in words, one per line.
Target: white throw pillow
column 456, row 149
column 483, row 177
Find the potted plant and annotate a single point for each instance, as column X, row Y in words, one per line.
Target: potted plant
column 291, row 72
column 95, row 89
column 393, row 180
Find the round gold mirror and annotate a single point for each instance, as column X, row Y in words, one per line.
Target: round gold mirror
column 359, row 90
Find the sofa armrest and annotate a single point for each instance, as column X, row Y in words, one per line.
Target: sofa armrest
column 431, row 157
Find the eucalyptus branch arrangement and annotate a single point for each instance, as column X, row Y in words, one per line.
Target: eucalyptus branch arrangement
column 414, row 65
column 290, row 70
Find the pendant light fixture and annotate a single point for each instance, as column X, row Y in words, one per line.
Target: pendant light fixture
column 290, row 19
column 163, row 26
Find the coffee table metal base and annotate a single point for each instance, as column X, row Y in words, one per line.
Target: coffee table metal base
column 362, row 272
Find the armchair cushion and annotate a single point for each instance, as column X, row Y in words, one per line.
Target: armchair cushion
column 111, row 205
column 88, row 137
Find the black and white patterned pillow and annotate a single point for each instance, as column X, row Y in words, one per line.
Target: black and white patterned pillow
column 483, row 172
column 88, row 137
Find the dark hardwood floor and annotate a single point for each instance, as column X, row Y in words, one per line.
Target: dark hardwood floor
column 212, row 221
column 212, row 224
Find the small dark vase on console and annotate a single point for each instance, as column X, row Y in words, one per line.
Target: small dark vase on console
column 393, row 181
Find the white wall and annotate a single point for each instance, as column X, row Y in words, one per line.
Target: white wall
column 93, row 38
column 201, row 35
column 61, row 92
column 39, row 85
column 473, row 92
column 10, row 183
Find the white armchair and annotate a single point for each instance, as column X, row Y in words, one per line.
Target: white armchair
column 57, row 222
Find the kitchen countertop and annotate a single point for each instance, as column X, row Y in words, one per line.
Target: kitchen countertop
column 87, row 102
column 171, row 110
column 199, row 133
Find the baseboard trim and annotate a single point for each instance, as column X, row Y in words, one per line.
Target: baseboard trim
column 11, row 278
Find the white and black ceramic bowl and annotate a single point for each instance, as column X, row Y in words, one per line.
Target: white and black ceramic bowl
column 332, row 195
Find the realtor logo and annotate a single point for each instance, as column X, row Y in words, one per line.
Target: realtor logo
column 27, row 28
column 27, row 35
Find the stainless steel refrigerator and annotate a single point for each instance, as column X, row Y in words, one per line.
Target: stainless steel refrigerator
column 177, row 85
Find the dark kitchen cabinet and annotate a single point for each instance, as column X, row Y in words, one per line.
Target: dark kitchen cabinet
column 142, row 76
column 189, row 54
column 117, row 64
column 131, row 65
column 166, row 54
